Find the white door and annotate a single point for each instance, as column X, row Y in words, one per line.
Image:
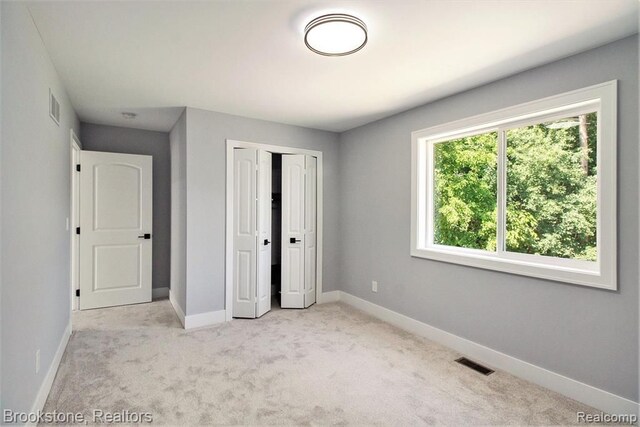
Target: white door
column 264, row 233
column 252, row 232
column 293, row 234
column 244, row 232
column 75, row 222
column 310, row 233
column 115, row 229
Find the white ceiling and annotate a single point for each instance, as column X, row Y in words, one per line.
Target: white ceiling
column 247, row 57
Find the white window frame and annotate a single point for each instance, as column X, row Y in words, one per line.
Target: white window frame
column 601, row 273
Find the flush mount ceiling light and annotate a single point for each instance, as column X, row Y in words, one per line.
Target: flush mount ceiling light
column 336, row 34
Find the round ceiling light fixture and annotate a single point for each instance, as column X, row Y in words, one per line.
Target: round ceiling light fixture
column 335, row 34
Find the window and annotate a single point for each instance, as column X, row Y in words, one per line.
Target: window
column 529, row 190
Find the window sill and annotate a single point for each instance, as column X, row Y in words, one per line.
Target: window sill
column 490, row 261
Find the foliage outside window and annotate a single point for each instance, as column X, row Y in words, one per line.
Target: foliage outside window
column 552, row 188
column 466, row 197
column 522, row 192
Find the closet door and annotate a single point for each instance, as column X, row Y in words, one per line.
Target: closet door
column 244, row 229
column 293, row 234
column 310, row 233
column 264, row 233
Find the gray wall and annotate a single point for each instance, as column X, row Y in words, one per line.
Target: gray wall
column 0, row 210
column 587, row 334
column 206, row 189
column 178, row 142
column 35, row 188
column 136, row 141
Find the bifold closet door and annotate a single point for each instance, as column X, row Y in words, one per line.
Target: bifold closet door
column 292, row 287
column 244, row 229
column 264, row 233
column 310, row 215
column 298, row 231
column 252, row 232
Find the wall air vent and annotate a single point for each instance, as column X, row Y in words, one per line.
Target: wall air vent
column 475, row 366
column 54, row 108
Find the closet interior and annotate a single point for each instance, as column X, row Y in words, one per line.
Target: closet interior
column 276, row 228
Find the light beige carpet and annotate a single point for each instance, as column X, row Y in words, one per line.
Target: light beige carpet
column 329, row 364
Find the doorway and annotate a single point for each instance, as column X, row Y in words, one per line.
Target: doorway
column 274, row 228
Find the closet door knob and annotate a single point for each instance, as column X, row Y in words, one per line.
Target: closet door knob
column 266, row 242
column 294, row 240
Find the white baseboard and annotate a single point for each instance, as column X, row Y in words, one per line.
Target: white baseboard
column 592, row 396
column 204, row 319
column 176, row 307
column 331, row 296
column 196, row 320
column 45, row 388
column 157, row 293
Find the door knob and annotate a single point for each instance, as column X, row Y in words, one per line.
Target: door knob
column 145, row 236
column 294, row 240
column 266, row 242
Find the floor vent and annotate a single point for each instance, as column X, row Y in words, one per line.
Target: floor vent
column 475, row 366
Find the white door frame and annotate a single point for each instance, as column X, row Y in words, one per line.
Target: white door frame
column 278, row 149
column 74, row 220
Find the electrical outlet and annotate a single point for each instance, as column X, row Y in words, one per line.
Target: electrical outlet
column 374, row 286
column 37, row 361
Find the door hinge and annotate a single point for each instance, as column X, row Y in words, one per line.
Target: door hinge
column 77, row 230
column 77, row 292
column 78, row 168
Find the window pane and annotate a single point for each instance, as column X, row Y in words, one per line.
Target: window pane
column 465, row 196
column 551, row 188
